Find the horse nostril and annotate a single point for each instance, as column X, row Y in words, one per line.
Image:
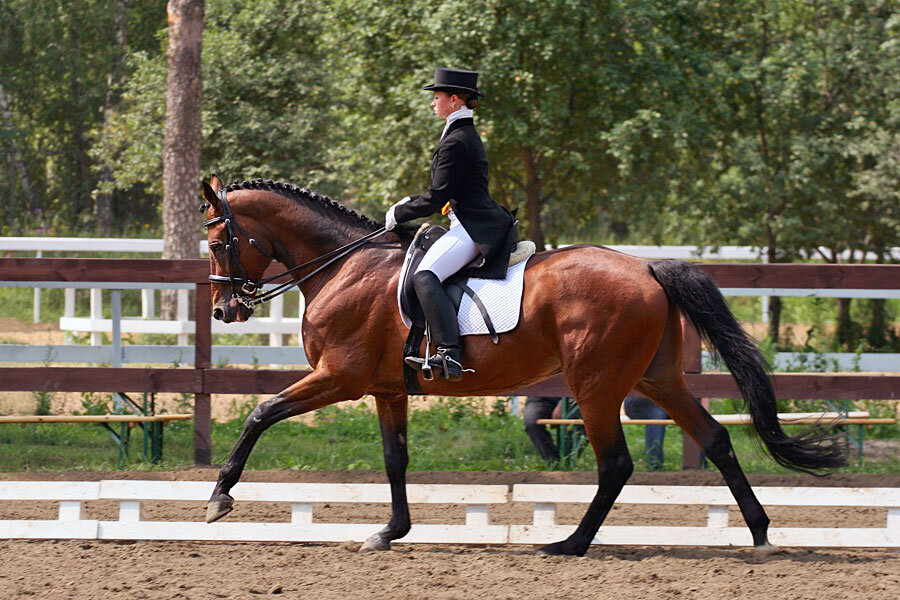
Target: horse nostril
column 218, row 314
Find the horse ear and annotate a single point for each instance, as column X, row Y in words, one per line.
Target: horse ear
column 209, row 194
column 216, row 183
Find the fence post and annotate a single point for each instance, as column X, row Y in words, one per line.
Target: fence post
column 37, row 296
column 96, row 315
column 181, row 315
column 116, row 336
column 691, row 455
column 148, row 303
column 69, row 311
column 202, row 359
column 276, row 315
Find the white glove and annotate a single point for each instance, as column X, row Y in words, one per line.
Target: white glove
column 389, row 220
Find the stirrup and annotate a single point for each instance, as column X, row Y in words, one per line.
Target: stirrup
column 451, row 368
column 422, row 365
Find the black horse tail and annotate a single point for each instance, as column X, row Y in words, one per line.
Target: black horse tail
column 700, row 301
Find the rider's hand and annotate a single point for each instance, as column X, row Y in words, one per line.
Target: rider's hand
column 389, row 220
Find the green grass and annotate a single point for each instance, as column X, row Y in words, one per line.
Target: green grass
column 453, row 435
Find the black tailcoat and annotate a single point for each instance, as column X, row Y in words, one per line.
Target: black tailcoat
column 459, row 175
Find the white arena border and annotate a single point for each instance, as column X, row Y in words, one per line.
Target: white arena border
column 476, row 499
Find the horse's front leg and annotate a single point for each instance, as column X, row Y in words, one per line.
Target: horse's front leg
column 319, row 388
column 392, row 418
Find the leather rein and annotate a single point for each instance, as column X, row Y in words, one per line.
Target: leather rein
column 242, row 287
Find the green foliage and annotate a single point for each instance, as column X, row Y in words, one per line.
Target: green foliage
column 265, row 107
column 95, row 403
column 42, row 402
column 769, row 123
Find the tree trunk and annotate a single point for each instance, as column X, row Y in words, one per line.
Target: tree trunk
column 183, row 136
column 78, row 145
column 16, row 159
column 877, row 334
column 103, row 199
column 533, row 199
column 845, row 325
column 877, row 329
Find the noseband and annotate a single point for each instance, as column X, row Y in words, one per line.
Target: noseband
column 242, row 287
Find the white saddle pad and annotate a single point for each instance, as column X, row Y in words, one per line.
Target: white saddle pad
column 501, row 297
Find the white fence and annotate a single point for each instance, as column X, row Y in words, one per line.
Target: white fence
column 476, row 499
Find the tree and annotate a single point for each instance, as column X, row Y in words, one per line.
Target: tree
column 103, row 210
column 54, row 67
column 183, row 136
column 557, row 77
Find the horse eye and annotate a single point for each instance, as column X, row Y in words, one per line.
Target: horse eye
column 216, row 246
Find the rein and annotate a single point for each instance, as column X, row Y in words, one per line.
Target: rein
column 242, row 287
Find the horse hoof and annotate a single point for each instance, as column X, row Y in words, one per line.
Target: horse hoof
column 557, row 549
column 374, row 543
column 218, row 507
column 766, row 549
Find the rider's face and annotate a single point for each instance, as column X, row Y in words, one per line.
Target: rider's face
column 443, row 104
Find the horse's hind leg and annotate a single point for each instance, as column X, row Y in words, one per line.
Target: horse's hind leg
column 392, row 418
column 713, row 438
column 664, row 383
column 614, row 465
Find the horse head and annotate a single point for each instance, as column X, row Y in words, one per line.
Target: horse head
column 239, row 252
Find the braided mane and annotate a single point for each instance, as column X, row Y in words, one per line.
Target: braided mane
column 297, row 193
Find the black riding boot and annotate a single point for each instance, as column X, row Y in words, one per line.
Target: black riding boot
column 441, row 318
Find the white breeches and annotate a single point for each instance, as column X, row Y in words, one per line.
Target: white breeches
column 450, row 253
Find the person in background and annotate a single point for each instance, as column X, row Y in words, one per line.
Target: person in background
column 543, row 407
column 636, row 407
column 639, row 407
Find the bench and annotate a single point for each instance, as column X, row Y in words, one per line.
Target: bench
column 151, row 426
column 573, row 439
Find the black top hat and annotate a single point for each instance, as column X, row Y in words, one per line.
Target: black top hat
column 455, row 80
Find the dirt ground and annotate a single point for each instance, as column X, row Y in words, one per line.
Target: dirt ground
column 158, row 570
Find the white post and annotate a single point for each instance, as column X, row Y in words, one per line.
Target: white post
column 276, row 315
column 717, row 516
column 301, row 514
column 129, row 510
column 148, row 304
column 116, row 302
column 181, row 314
column 71, row 510
column 544, row 514
column 37, row 297
column 69, row 309
column 477, row 515
column 96, row 316
column 301, row 308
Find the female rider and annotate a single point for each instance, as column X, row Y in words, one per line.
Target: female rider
column 478, row 226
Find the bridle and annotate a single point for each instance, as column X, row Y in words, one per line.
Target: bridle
column 242, row 287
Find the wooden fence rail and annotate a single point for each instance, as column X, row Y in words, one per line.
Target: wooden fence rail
column 203, row 380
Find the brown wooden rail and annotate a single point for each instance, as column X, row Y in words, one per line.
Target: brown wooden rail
column 203, row 380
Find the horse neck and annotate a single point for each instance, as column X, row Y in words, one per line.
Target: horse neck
column 305, row 233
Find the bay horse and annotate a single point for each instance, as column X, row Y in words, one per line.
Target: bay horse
column 607, row 321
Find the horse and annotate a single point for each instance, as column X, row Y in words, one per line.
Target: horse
column 607, row 321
